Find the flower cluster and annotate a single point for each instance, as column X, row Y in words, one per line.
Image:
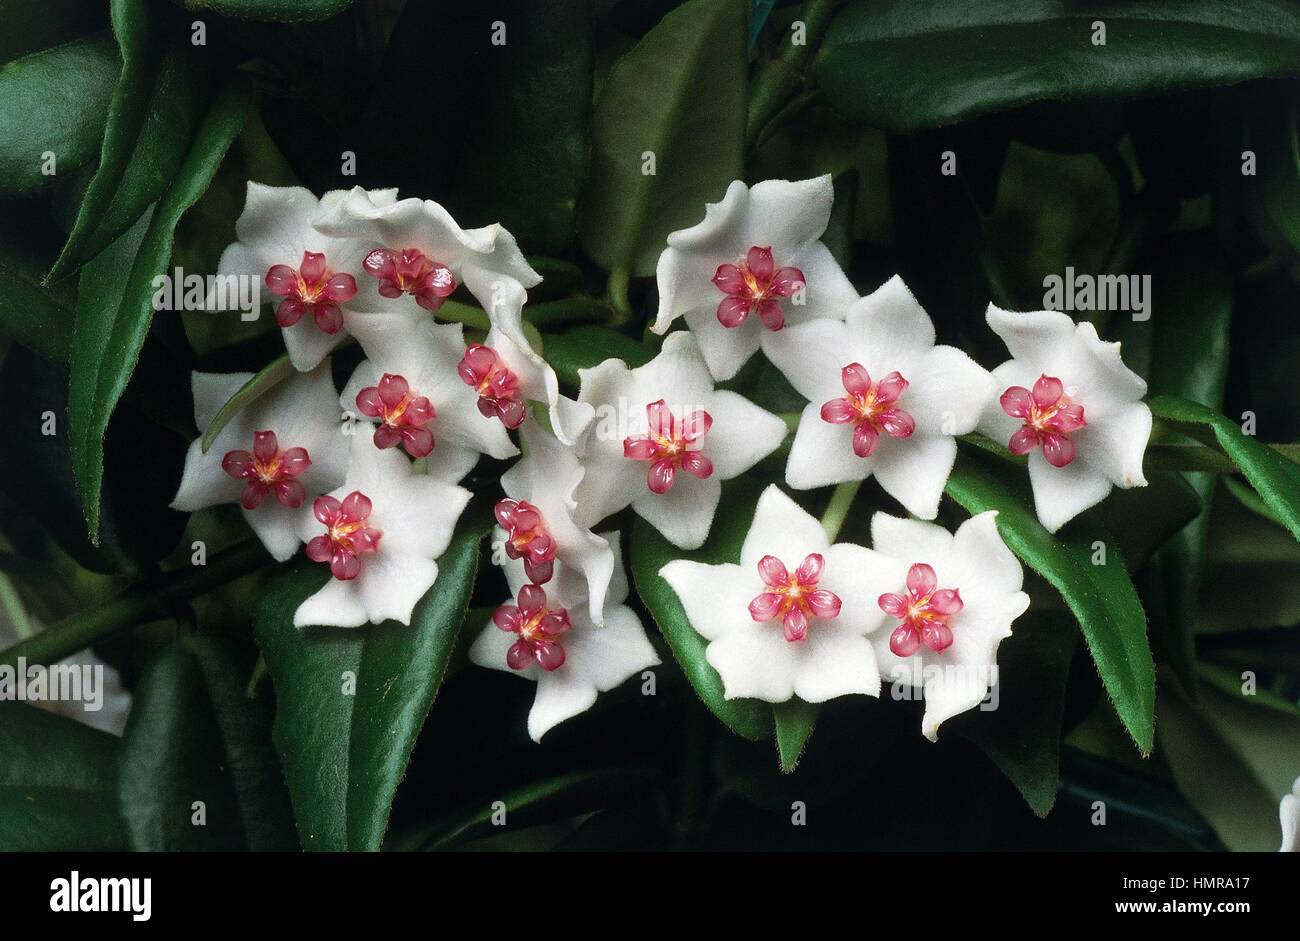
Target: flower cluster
column 367, row 481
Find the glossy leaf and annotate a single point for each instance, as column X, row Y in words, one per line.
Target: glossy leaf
column 795, row 721
column 36, row 315
column 195, row 735
column 585, row 347
column 115, row 299
column 345, row 751
column 275, row 11
column 678, row 97
column 54, row 101
column 906, row 67
column 56, row 783
column 1102, row 597
column 32, row 25
column 748, row 718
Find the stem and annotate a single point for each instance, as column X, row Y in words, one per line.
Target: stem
column 13, row 608
column 149, row 600
column 778, row 79
column 617, row 289
column 470, row 316
column 837, row 510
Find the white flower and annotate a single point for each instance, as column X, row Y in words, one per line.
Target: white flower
column 792, row 618
column 1068, row 401
column 663, row 441
column 546, row 635
column 1289, row 811
column 950, row 606
column 380, row 533
column 411, row 388
column 882, row 399
column 752, row 265
column 272, row 457
column 317, row 282
column 542, row 523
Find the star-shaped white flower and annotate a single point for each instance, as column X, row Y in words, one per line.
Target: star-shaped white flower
column 1069, row 402
column 752, row 266
column 540, row 521
column 950, row 606
column 272, row 457
column 1289, row 812
column 411, row 389
column 793, row 618
column 663, row 440
column 316, row 282
column 379, row 533
column 545, row 634
column 882, row 399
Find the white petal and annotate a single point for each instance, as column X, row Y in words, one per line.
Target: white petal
column 685, row 284
column 678, row 375
column 715, row 597
column 561, row 694
column 448, row 462
column 278, row 526
column 835, row 661
column 828, row 293
column 418, row 515
column 914, row 470
column 822, row 453
column 785, row 214
column 1289, row 811
column 608, row 655
column 1062, row 493
column 812, row 357
column 983, row 559
column 203, row 482
column 725, row 349
column 684, row 514
column 756, row 663
column 720, row 225
column 1032, row 336
column 994, row 422
column 489, row 650
column 892, row 325
column 949, row 392
column 742, row 434
column 1117, row 379
column 391, row 585
column 859, row 577
column 909, row 540
column 212, row 391
column 538, row 382
column 275, row 222
column 781, row 528
column 337, row 604
column 1116, row 444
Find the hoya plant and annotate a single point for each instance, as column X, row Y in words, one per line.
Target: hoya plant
column 610, row 424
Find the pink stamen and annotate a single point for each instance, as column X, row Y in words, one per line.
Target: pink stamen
column 667, row 446
column 1050, row 416
column 527, row 538
column 410, row 271
column 923, row 611
column 267, row 468
column 497, row 387
column 869, row 407
column 753, row 285
column 312, row 289
column 538, row 628
column 403, row 415
column 346, row 534
column 795, row 599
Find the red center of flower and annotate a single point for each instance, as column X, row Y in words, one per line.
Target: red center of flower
column 268, row 468
column 410, row 271
column 497, row 387
column 403, row 415
column 538, row 628
column 667, row 446
column 870, row 407
column 1049, row 417
column 312, row 289
column 346, row 534
column 795, row 599
column 923, row 611
column 754, row 284
column 527, row 538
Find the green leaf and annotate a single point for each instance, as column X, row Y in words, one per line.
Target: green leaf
column 1275, row 478
column 1143, row 519
column 32, row 25
column 795, row 721
column 194, row 735
column 36, row 315
column 54, row 101
column 263, row 381
column 56, row 783
column 344, row 754
column 906, row 67
column 1102, row 597
column 679, row 94
column 115, row 299
column 748, row 718
column 275, row 11
column 585, row 347
column 1274, row 137
column 1022, row 736
column 156, row 106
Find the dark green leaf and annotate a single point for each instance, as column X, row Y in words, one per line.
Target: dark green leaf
column 115, row 299
column 795, row 721
column 32, row 25
column 905, row 67
column 585, row 347
column 1102, row 597
column 1145, row 518
column 276, row 11
column 651, row 552
column 156, row 106
column 678, row 95
column 266, row 379
column 36, row 315
column 54, row 101
column 56, row 783
column 195, row 736
column 345, row 753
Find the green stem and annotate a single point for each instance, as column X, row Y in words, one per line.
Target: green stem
column 469, row 315
column 837, row 510
column 777, row 80
column 617, row 290
column 12, row 605
column 149, row 600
